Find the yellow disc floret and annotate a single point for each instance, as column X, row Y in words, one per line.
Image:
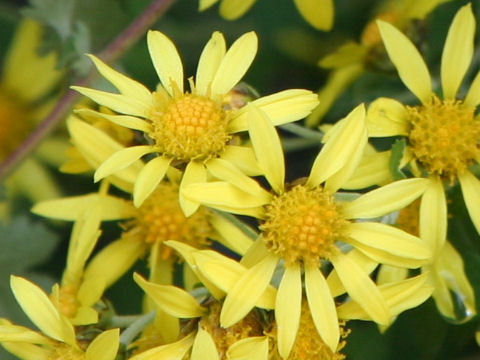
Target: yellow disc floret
column 444, row 136
column 191, row 127
column 14, row 124
column 302, row 225
column 66, row 352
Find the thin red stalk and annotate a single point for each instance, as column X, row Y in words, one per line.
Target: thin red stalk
column 65, row 104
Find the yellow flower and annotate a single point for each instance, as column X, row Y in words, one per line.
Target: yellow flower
column 318, row 13
column 442, row 134
column 302, row 224
column 23, row 103
column 57, row 340
column 189, row 130
column 352, row 59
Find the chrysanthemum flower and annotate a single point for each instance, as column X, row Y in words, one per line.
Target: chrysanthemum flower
column 23, row 103
column 442, row 134
column 303, row 225
column 318, row 13
column 192, row 129
column 57, row 340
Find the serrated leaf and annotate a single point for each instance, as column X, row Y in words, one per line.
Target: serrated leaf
column 398, row 151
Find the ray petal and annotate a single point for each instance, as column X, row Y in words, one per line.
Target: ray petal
column 149, row 177
column 471, row 193
column 209, row 62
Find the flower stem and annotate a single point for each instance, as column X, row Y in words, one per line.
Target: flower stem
column 65, row 104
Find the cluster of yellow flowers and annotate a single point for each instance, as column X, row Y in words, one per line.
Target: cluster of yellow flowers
column 282, row 280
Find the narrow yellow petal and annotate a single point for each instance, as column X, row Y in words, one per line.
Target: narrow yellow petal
column 433, row 216
column 149, row 177
column 117, row 102
column 231, row 235
column 457, row 51
column 195, row 172
column 166, row 60
column 361, row 288
column 205, row 4
column 243, row 158
column 124, row 84
column 340, row 147
column 15, row 333
column 387, row 117
column 104, row 346
column 473, row 96
column 176, row 350
column 121, row 159
column 322, row 307
column 288, row 309
column 129, row 122
column 318, row 13
column 372, row 170
column 243, row 296
column 471, row 193
column 204, row 347
column 235, row 63
column 267, row 147
column 171, row 299
column 27, row 351
column 408, row 61
column 386, row 199
column 388, row 274
column 396, row 246
column 233, row 9
column 251, row 348
column 38, row 307
column 282, row 107
column 209, row 62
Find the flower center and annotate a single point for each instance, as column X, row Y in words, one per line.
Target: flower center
column 66, row 352
column 302, row 225
column 191, row 127
column 408, row 218
column 444, row 136
column 14, row 124
column 160, row 218
column 225, row 337
column 68, row 302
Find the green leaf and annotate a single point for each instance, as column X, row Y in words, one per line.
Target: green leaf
column 398, row 150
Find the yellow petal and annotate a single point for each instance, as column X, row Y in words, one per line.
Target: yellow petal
column 387, row 117
column 38, row 307
column 340, row 147
column 473, row 96
column 209, row 62
column 176, row 350
column 372, row 170
column 361, row 288
column 231, row 235
column 457, row 51
column 233, row 9
column 205, row 4
column 255, row 253
column 386, row 199
column 243, row 296
column 204, row 347
column 149, row 177
column 129, row 122
column 408, row 61
column 27, row 351
column 15, row 333
column 117, row 102
column 243, row 158
column 251, row 348
column 282, row 107
column 235, row 63
column 288, row 308
column 121, row 159
column 396, row 246
column 318, row 13
column 471, row 193
column 433, row 216
column 322, row 307
column 195, row 172
column 104, row 346
column 173, row 300
column 166, row 60
column 124, row 84
column 389, row 274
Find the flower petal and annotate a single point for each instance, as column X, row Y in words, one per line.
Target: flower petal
column 243, row 158
column 387, row 117
column 231, row 235
column 235, row 63
column 171, row 299
column 471, row 193
column 372, row 170
column 195, row 172
column 340, row 147
column 473, row 96
column 149, row 177
column 319, row 14
column 361, row 288
column 457, row 51
column 233, row 9
column 408, row 61
column 243, row 296
column 209, row 62
column 166, row 60
column 322, row 307
column 204, row 347
column 176, row 350
column 129, row 122
column 104, row 346
column 288, row 305
column 386, row 199
column 251, row 348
